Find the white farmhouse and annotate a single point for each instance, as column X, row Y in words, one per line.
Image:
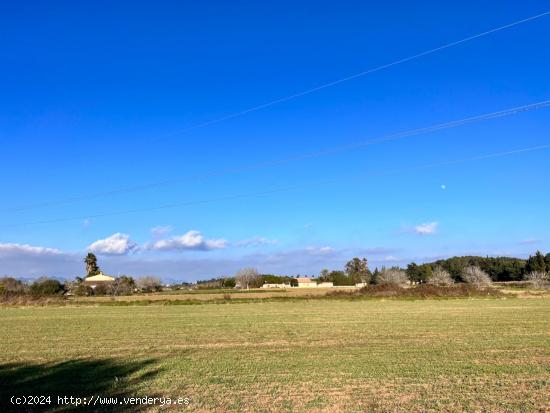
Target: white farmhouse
column 305, row 282
column 275, row 285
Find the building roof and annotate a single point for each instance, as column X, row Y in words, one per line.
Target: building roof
column 304, row 280
column 99, row 277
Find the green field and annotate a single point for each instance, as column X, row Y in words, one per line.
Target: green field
column 458, row 355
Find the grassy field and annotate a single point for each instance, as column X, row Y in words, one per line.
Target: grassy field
column 489, row 355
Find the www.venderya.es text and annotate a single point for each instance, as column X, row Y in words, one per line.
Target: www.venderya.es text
column 95, row 400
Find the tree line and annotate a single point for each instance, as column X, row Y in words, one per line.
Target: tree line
column 499, row 268
column 356, row 271
column 468, row 269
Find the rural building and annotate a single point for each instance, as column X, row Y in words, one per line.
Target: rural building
column 99, row 279
column 325, row 285
column 306, row 282
column 275, row 285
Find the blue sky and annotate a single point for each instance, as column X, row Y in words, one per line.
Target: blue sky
column 100, row 97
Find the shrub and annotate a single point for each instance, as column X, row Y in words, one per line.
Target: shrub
column 383, row 290
column 123, row 285
column 46, row 286
column 460, row 290
column 10, row 285
column 102, row 289
column 440, row 277
column 392, row 276
column 420, row 291
column 82, row 289
column 476, row 276
column 149, row 284
column 538, row 279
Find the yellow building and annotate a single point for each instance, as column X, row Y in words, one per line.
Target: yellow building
column 95, row 280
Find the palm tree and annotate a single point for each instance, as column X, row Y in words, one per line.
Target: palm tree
column 91, row 264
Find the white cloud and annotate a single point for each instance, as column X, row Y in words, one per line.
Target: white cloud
column 391, row 258
column 377, row 251
column 426, row 229
column 116, row 244
column 530, row 241
column 86, row 223
column 320, row 250
column 160, row 231
column 191, row 240
column 15, row 249
column 255, row 242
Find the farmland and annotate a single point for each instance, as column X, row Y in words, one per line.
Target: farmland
column 309, row 355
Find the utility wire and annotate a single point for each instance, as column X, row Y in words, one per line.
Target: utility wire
column 274, row 102
column 288, row 188
column 355, row 75
column 267, row 164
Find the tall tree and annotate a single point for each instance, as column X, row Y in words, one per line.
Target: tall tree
column 375, row 275
column 357, row 269
column 536, row 263
column 91, row 264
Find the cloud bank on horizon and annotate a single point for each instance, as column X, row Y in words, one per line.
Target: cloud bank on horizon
column 193, row 256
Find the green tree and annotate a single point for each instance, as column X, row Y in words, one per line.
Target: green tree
column 340, row 278
column 375, row 276
column 419, row 273
column 413, row 270
column 229, row 282
column 324, row 275
column 535, row 263
column 46, row 286
column 91, row 264
column 357, row 270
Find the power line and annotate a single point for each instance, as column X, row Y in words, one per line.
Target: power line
column 324, row 152
column 288, row 188
column 354, row 76
column 283, row 99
